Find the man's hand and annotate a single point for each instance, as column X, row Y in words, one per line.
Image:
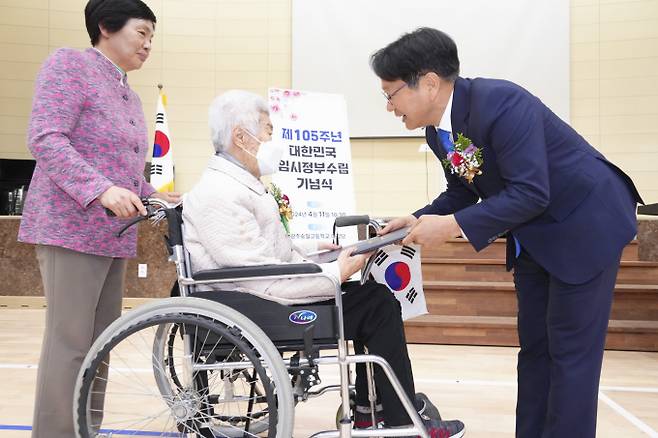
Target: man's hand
column 170, row 197
column 397, row 223
column 349, row 264
column 123, row 203
column 433, row 230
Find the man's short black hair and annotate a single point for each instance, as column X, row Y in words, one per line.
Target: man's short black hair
column 113, row 15
column 416, row 53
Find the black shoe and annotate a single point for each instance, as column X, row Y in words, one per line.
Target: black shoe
column 426, row 408
column 445, row 429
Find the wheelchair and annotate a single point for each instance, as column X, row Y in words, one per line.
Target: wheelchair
column 220, row 363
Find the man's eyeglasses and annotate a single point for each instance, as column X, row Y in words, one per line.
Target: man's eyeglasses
column 390, row 96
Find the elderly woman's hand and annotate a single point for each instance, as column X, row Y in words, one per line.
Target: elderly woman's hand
column 349, row 264
column 327, row 246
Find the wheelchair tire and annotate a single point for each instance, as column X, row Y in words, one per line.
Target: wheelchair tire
column 168, row 381
column 139, row 395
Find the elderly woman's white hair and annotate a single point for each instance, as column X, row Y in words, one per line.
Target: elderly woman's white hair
column 231, row 109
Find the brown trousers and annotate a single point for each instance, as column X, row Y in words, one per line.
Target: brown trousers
column 83, row 293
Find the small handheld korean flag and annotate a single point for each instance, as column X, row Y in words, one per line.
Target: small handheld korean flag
column 398, row 267
column 162, row 164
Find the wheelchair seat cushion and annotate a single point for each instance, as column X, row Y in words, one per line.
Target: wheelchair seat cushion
column 284, row 325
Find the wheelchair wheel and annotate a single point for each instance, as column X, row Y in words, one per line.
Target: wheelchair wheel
column 241, row 384
column 183, row 367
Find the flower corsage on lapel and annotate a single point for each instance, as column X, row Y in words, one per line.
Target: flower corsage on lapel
column 465, row 159
column 283, row 202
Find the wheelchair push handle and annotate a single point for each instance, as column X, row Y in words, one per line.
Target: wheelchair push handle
column 348, row 221
column 154, row 210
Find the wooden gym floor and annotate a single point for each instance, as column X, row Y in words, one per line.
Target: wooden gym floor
column 474, row 384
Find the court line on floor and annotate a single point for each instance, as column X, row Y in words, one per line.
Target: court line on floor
column 334, row 379
column 14, row 427
column 628, row 416
column 113, row 431
column 498, row 383
column 512, row 384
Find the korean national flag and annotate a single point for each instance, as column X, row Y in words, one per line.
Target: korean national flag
column 162, row 164
column 398, row 267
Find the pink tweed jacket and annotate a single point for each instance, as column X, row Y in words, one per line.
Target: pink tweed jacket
column 87, row 132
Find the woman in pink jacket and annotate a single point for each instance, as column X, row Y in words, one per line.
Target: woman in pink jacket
column 88, row 136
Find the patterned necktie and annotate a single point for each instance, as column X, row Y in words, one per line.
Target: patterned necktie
column 444, row 140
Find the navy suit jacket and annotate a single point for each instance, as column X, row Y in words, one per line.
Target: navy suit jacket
column 571, row 209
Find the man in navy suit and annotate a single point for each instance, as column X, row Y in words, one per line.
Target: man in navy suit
column 566, row 212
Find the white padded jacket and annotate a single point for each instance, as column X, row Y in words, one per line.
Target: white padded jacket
column 231, row 220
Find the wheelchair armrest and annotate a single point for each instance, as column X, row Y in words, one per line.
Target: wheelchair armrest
column 257, row 271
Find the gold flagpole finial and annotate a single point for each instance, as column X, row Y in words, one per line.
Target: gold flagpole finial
column 164, row 98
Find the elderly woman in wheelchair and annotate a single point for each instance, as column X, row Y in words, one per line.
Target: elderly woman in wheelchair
column 221, row 366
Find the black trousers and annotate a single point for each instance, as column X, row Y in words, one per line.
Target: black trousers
column 372, row 317
column 562, row 329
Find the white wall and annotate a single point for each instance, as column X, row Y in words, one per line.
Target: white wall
column 525, row 41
